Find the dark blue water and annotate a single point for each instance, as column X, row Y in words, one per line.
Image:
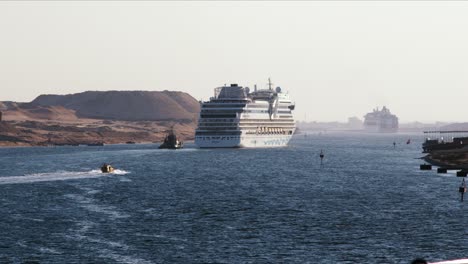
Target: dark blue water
column 368, row 204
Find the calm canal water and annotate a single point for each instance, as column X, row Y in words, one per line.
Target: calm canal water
column 369, row 203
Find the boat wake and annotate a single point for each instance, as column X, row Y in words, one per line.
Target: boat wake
column 116, row 171
column 58, row 176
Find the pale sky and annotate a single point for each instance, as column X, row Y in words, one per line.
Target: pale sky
column 337, row 59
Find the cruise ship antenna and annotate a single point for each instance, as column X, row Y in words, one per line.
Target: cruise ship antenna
column 269, row 83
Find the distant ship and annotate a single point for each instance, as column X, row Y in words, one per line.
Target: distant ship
column 381, row 121
column 238, row 118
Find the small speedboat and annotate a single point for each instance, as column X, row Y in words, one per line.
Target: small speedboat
column 107, row 168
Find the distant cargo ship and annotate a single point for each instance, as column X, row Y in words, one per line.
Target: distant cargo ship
column 381, row 121
column 238, row 118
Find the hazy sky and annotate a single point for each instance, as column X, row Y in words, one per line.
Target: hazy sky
column 337, row 59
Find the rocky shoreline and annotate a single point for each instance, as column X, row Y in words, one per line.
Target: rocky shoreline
column 89, row 132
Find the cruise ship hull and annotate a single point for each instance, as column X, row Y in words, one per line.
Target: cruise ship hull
column 248, row 141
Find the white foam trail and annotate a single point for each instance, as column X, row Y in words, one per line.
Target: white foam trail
column 106, row 248
column 456, row 261
column 120, row 172
column 105, row 253
column 57, row 176
column 47, row 250
column 90, row 205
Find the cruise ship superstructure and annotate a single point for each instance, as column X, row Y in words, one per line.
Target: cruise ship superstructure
column 238, row 118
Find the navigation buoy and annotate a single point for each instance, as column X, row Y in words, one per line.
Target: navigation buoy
column 394, row 144
column 462, row 189
column 321, row 157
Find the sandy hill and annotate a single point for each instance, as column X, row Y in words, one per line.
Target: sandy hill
column 6, row 105
column 98, row 117
column 24, row 112
column 119, row 105
column 7, row 128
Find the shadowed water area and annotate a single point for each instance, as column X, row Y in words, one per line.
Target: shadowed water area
column 369, row 203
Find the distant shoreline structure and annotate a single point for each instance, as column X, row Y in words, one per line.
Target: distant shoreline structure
column 354, row 127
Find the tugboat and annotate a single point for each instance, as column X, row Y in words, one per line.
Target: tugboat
column 171, row 141
column 107, row 168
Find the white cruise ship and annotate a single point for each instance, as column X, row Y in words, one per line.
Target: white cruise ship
column 381, row 121
column 238, row 118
